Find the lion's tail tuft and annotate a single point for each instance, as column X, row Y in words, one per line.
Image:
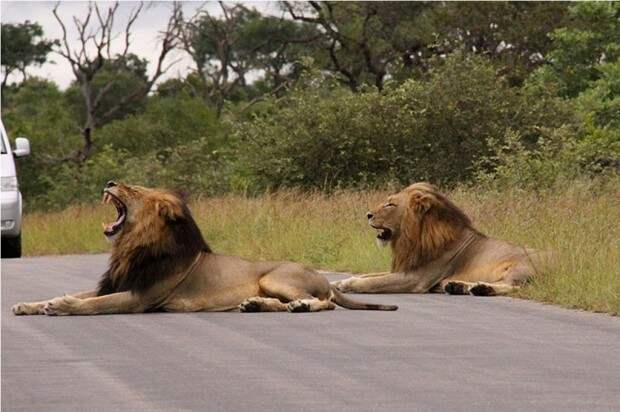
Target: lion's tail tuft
column 340, row 299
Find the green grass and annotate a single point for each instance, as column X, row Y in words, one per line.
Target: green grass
column 580, row 223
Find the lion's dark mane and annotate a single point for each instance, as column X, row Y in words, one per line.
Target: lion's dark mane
column 150, row 264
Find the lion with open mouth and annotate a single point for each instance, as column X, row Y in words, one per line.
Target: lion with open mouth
column 160, row 262
column 435, row 248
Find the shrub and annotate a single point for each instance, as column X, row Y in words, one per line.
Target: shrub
column 166, row 123
column 433, row 129
column 194, row 167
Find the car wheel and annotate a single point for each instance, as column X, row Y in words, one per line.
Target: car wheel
column 12, row 247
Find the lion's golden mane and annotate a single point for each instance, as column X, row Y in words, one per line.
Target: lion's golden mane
column 428, row 228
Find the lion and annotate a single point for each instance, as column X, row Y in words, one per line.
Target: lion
column 160, row 262
column 435, row 248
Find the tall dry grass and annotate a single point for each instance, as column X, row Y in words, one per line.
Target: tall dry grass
column 580, row 222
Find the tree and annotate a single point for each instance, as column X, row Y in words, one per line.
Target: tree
column 367, row 41
column 514, row 34
column 87, row 66
column 279, row 45
column 37, row 109
column 22, row 46
column 212, row 44
column 580, row 50
column 226, row 49
column 124, row 76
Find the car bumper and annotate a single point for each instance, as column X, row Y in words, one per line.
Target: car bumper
column 11, row 213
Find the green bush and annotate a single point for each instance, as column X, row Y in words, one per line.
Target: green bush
column 194, row 167
column 433, row 129
column 166, row 122
column 175, row 142
column 37, row 110
column 556, row 158
column 580, row 49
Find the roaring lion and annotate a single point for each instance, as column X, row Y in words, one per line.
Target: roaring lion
column 436, row 249
column 160, row 262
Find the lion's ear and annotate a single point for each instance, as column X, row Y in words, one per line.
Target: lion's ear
column 421, row 203
column 169, row 210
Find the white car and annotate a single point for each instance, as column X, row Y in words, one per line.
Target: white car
column 11, row 211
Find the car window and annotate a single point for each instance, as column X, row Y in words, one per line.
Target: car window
column 3, row 148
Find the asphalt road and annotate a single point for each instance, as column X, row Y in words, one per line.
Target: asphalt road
column 436, row 352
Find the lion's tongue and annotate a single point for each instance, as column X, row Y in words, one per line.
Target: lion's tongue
column 110, row 227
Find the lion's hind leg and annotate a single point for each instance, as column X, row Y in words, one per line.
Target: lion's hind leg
column 304, row 290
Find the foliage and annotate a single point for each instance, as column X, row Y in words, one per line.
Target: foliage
column 22, row 46
column 228, row 49
column 123, row 77
column 363, row 42
column 343, row 95
column 581, row 50
column 165, row 123
column 37, row 110
column 193, row 166
column 601, row 101
column 173, row 143
column 431, row 129
column 513, row 34
column 562, row 155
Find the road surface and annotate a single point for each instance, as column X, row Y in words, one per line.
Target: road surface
column 436, row 352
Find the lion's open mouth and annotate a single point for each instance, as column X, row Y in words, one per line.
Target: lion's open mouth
column 110, row 229
column 384, row 234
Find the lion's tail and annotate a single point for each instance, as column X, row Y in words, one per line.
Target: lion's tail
column 341, row 300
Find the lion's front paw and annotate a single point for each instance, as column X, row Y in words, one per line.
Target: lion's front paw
column 23, row 308
column 345, row 285
column 64, row 305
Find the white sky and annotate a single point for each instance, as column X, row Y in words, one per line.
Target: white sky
column 144, row 35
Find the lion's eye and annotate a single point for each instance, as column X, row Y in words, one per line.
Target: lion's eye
column 390, row 205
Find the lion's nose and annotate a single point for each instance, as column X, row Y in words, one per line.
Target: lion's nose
column 110, row 183
column 369, row 215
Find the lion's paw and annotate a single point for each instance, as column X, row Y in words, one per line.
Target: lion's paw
column 23, row 308
column 344, row 285
column 456, row 288
column 481, row 289
column 251, row 305
column 64, row 305
column 298, row 306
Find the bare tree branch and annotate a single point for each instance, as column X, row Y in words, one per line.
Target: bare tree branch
column 86, row 66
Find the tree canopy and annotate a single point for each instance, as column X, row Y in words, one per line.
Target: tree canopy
column 321, row 94
column 23, row 46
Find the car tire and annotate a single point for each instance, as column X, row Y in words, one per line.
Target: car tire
column 12, row 247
